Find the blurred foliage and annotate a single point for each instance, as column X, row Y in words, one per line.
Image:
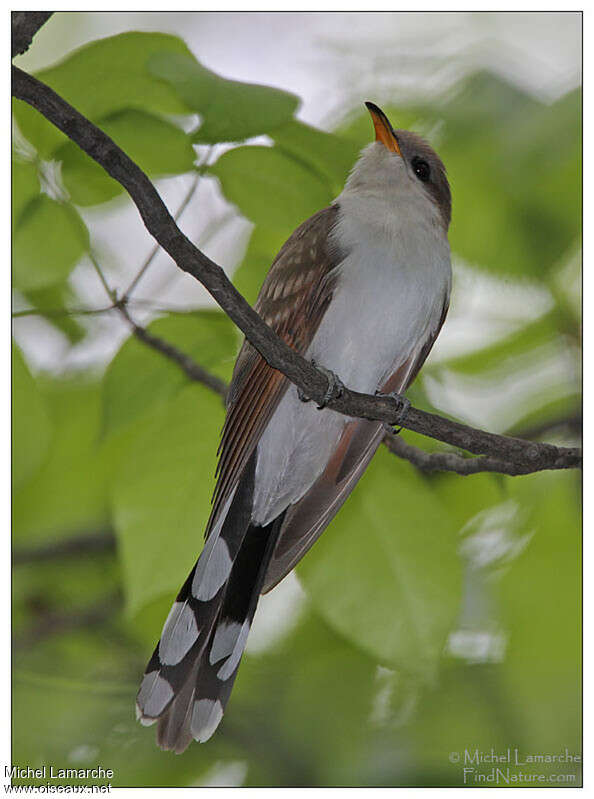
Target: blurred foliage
column 230, row 111
column 68, row 491
column 135, row 132
column 368, row 685
column 409, row 602
column 138, row 379
column 48, row 242
column 30, row 422
column 250, row 176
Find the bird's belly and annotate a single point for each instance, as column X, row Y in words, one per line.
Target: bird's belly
column 378, row 315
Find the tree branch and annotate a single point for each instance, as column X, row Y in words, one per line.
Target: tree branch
column 452, row 462
column 25, row 25
column 161, row 225
column 190, row 368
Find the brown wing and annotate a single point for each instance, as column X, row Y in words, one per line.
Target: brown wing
column 305, row 521
column 292, row 300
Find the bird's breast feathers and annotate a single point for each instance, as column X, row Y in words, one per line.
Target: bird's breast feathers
column 390, row 292
column 388, row 302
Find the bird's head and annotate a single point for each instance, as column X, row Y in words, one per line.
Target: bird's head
column 400, row 164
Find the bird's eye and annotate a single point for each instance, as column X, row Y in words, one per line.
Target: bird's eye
column 421, row 169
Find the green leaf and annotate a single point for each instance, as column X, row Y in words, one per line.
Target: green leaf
column 230, row 110
column 38, row 130
column 466, row 497
column 48, row 243
column 270, row 188
column 330, row 155
column 158, row 147
column 31, row 426
column 25, row 188
column 68, row 493
column 161, row 493
column 139, row 379
column 103, row 77
column 386, row 573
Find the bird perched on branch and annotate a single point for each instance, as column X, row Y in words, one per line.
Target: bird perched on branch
column 362, row 289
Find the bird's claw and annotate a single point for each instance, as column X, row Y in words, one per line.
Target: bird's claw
column 335, row 386
column 404, row 404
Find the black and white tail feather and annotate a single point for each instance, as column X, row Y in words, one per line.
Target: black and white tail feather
column 189, row 678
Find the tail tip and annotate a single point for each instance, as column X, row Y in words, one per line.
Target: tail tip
column 206, row 717
column 146, row 721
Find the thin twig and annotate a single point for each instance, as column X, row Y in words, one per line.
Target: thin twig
column 157, row 247
column 132, row 303
column 156, row 307
column 278, row 354
column 58, row 312
column 192, row 369
column 108, row 290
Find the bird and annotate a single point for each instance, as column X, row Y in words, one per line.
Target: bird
column 361, row 289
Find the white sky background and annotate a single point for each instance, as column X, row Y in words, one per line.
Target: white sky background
column 333, row 61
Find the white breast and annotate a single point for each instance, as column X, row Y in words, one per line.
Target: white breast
column 390, row 294
column 391, row 290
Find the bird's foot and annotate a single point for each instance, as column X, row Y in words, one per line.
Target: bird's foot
column 404, row 406
column 335, row 386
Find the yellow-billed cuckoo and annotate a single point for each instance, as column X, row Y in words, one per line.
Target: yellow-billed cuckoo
column 361, row 288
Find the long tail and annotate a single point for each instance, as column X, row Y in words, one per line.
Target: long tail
column 188, row 680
